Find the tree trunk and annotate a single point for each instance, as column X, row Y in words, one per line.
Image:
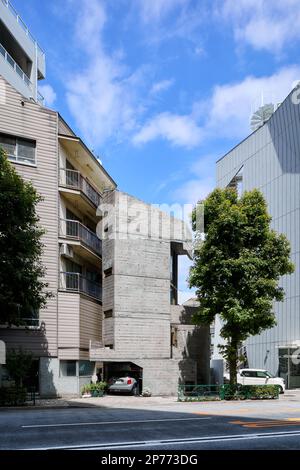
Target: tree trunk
column 232, row 361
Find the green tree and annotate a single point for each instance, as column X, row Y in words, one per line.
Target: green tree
column 18, row 365
column 237, row 268
column 22, row 290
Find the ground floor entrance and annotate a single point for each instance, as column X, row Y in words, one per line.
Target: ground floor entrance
column 289, row 366
column 113, row 370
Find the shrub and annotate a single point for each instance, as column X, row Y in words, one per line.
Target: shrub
column 244, row 392
column 94, row 389
column 12, row 396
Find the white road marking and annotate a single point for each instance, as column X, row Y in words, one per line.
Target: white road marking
column 56, row 425
column 199, row 440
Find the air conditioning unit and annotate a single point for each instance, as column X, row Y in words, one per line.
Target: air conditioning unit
column 66, row 250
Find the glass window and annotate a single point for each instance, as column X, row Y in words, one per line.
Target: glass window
column 86, row 368
column 68, row 368
column 249, row 373
column 9, row 145
column 262, row 375
column 18, row 149
column 26, row 150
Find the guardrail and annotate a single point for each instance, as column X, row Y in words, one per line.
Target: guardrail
column 40, row 98
column 19, row 20
column 73, row 179
column 226, row 392
column 15, row 66
column 76, row 230
column 75, row 282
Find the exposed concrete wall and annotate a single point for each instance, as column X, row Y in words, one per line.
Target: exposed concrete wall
column 137, row 246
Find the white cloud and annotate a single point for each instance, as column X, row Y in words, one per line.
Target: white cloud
column 180, row 130
column 199, row 183
column 155, row 10
column 194, row 190
column 262, row 24
column 163, row 85
column 48, row 93
column 102, row 95
column 230, row 105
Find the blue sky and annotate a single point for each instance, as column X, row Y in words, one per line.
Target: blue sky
column 160, row 89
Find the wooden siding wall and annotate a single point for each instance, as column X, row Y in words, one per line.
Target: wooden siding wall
column 35, row 122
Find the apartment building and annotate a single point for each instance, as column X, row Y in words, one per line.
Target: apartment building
column 268, row 159
column 114, row 309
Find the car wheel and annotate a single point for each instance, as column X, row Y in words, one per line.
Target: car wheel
column 280, row 389
column 134, row 391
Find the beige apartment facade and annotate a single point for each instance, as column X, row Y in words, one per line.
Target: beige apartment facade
column 66, row 174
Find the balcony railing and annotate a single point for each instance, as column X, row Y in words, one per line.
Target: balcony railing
column 77, row 231
column 75, row 282
column 40, row 98
column 73, row 179
column 21, row 23
column 8, row 58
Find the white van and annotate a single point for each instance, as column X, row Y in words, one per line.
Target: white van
column 259, row 377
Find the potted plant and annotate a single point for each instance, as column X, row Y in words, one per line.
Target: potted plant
column 86, row 391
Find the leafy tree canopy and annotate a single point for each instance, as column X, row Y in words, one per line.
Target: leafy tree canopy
column 237, row 268
column 22, row 290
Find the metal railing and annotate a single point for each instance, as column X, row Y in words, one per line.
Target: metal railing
column 76, row 230
column 40, row 98
column 75, row 282
column 15, row 66
column 74, row 179
column 22, row 24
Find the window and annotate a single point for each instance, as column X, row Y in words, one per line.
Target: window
column 248, row 373
column 174, row 336
column 108, row 313
column 261, row 374
column 237, row 182
column 18, row 149
column 86, row 368
column 107, row 272
column 68, row 368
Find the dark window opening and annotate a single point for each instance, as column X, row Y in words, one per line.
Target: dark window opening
column 108, row 313
column 108, row 272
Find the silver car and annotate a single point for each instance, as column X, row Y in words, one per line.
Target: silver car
column 123, row 385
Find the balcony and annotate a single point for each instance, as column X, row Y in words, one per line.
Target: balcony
column 75, row 230
column 75, row 282
column 8, row 58
column 73, row 179
column 19, row 20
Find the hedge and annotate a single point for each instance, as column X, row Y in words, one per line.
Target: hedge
column 12, row 396
column 244, row 392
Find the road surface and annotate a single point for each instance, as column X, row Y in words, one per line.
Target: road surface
column 176, row 426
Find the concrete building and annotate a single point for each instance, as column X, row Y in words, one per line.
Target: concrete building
column 115, row 300
column 269, row 160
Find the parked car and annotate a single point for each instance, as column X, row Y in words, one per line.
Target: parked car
column 257, row 377
column 123, row 385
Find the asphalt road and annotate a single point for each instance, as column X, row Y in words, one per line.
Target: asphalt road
column 178, row 427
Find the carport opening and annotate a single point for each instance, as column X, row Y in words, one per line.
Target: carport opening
column 114, row 370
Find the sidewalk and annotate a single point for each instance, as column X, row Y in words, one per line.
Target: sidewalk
column 121, row 401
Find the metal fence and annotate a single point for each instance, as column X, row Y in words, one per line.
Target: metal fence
column 74, row 179
column 75, row 229
column 75, row 282
column 6, row 56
